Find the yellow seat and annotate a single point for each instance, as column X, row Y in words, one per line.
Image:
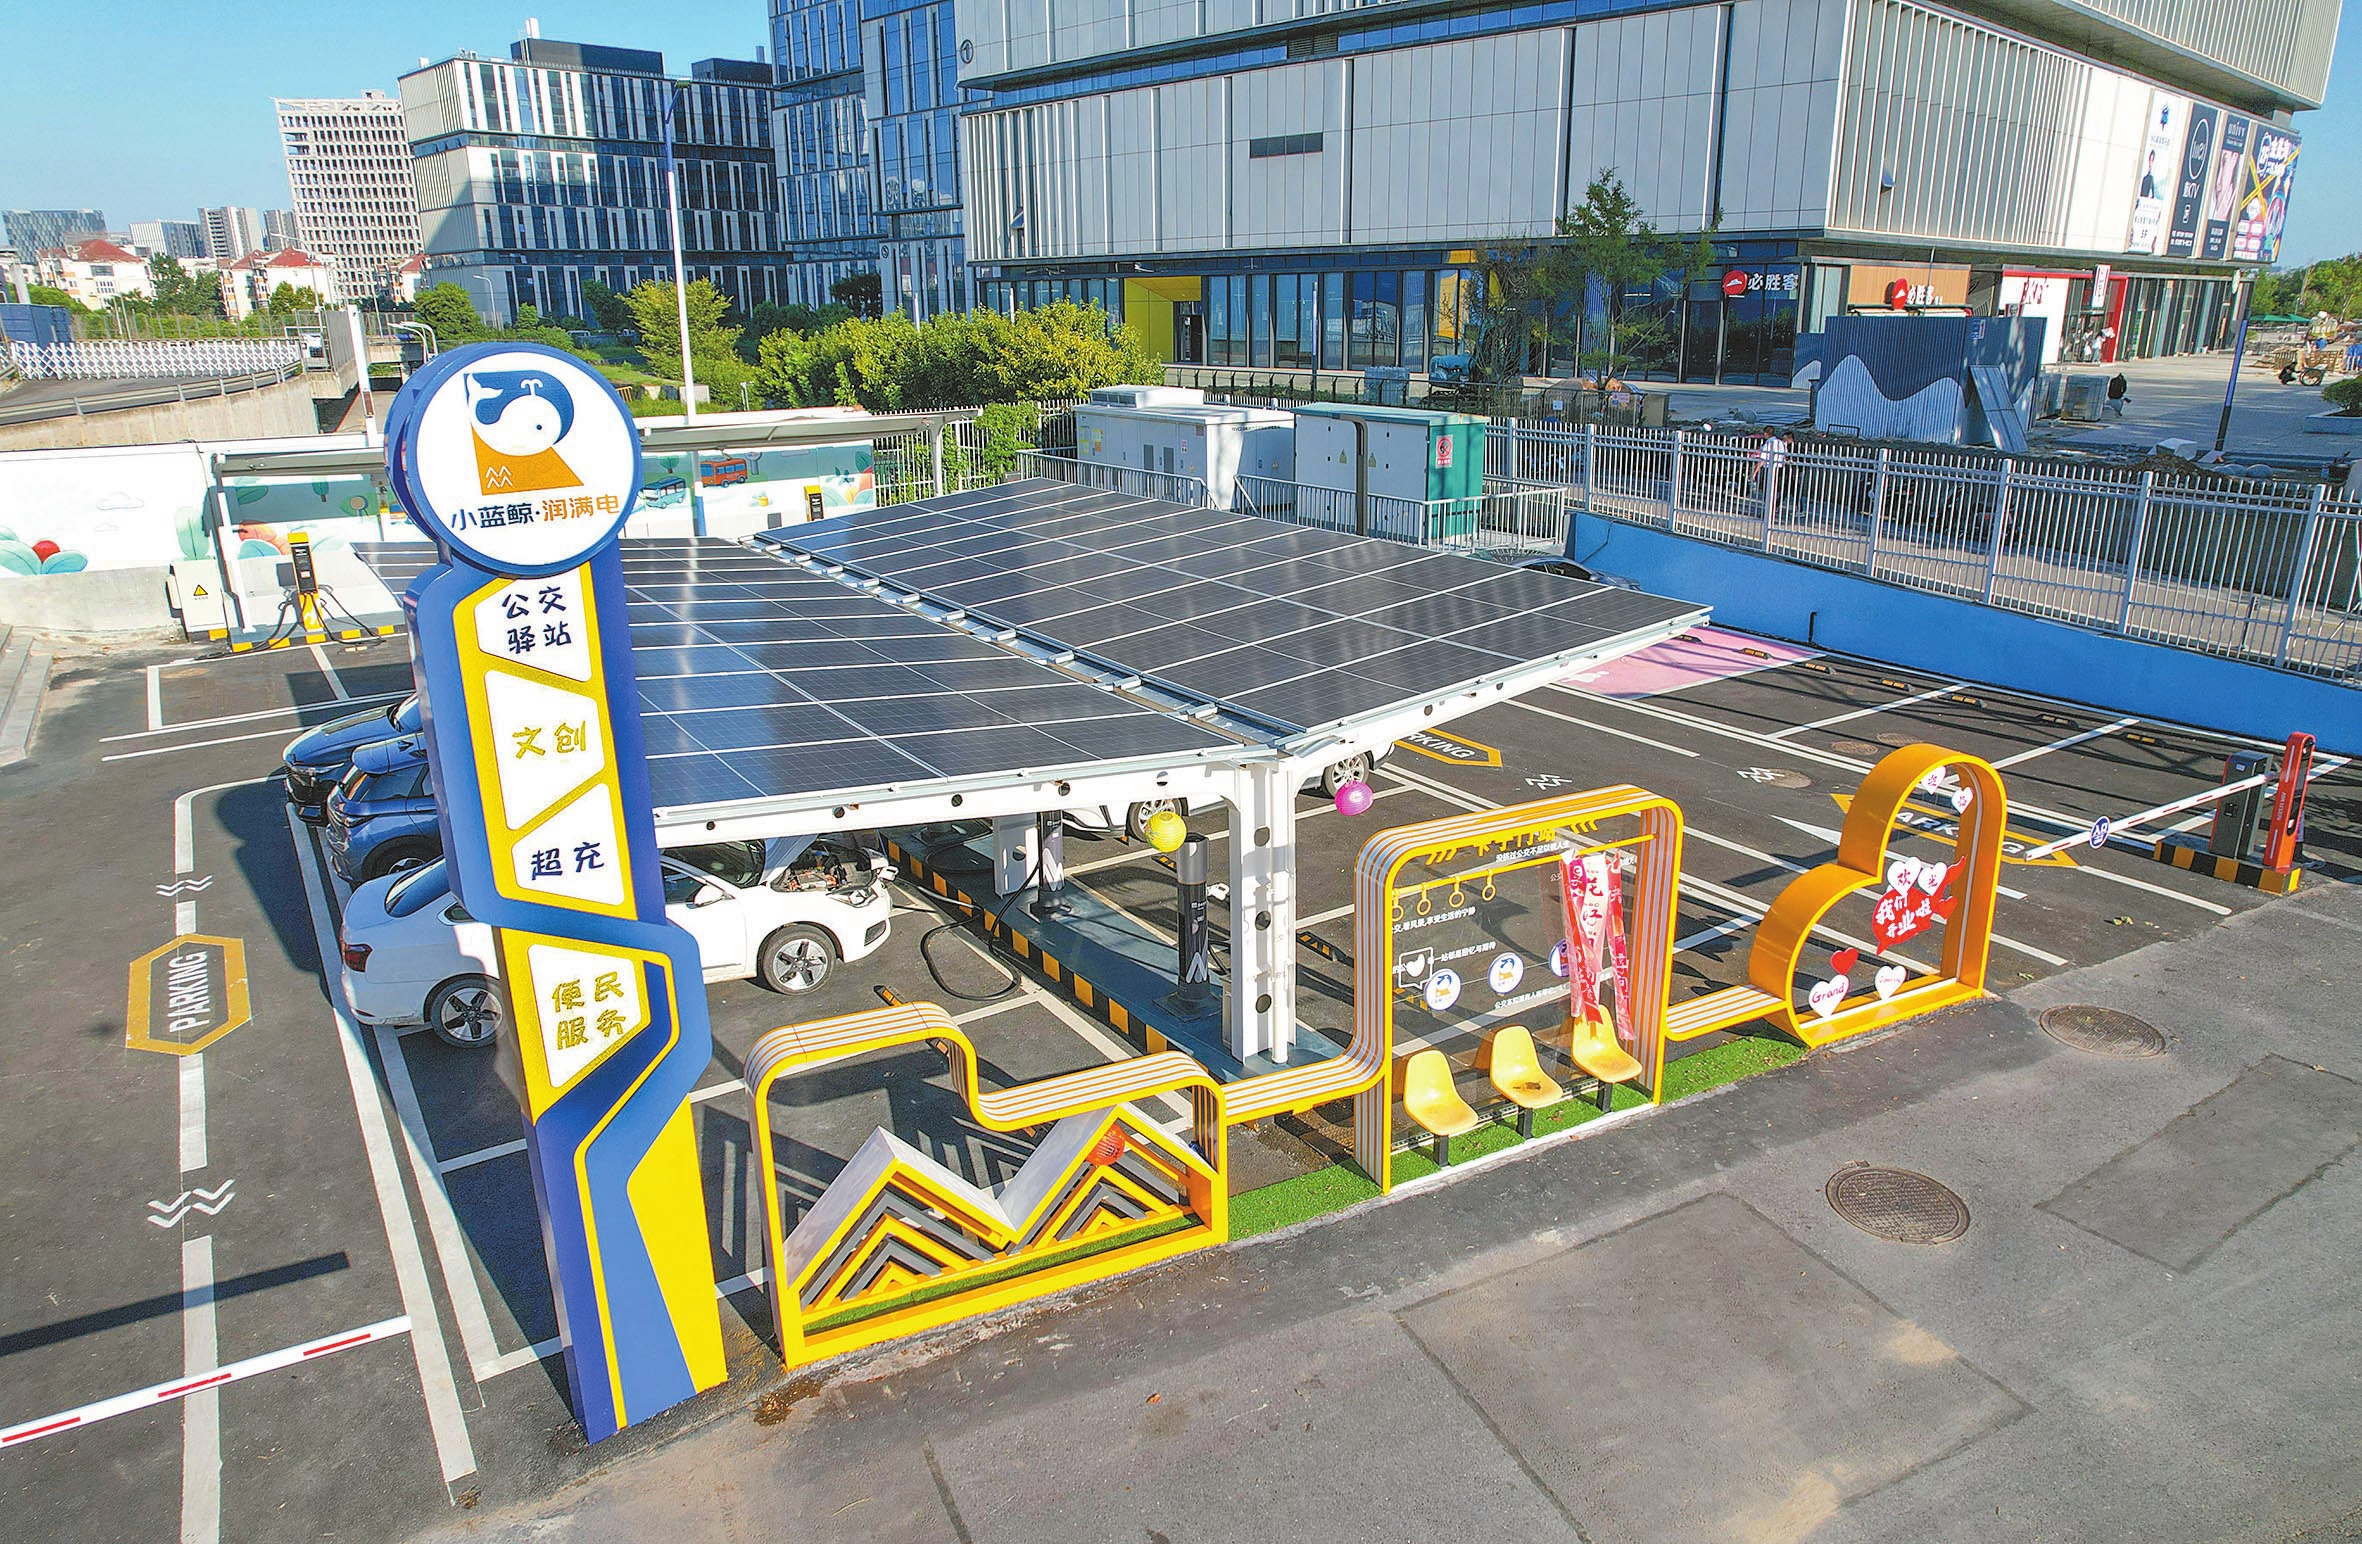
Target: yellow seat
column 1591, row 1045
column 1429, row 1099
column 1518, row 1076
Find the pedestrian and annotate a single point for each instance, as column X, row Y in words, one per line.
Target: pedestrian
column 2118, row 389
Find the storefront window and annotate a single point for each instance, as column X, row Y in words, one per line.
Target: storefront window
column 1414, row 321
column 1259, row 321
column 1332, row 322
column 1218, row 322
column 1239, row 328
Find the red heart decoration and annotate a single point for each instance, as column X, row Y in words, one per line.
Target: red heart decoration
column 1844, row 960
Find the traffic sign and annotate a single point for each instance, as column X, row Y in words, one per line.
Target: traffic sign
column 2099, row 833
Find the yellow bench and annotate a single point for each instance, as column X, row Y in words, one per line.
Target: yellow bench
column 1431, row 1101
column 1518, row 1076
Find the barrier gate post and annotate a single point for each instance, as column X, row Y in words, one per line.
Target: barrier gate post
column 522, row 465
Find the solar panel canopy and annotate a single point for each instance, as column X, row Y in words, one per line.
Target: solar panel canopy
column 758, row 680
column 1302, row 628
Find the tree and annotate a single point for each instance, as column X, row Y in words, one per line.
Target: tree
column 889, row 364
column 51, row 295
column 863, row 294
column 2334, row 285
column 288, row 299
column 713, row 341
column 448, row 310
column 2278, row 293
column 182, row 292
column 1607, row 249
column 609, row 312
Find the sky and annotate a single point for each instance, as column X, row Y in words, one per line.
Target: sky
column 171, row 110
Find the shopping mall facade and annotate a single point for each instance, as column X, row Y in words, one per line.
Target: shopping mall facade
column 1291, row 184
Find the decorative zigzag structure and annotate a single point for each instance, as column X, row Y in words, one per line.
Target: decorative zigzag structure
column 895, row 1219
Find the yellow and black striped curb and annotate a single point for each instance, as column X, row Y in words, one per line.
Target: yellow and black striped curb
column 343, row 635
column 2237, row 871
column 1059, row 976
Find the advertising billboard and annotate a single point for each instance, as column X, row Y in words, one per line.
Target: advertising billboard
column 2223, row 189
column 2191, row 183
column 2161, row 154
column 2267, row 173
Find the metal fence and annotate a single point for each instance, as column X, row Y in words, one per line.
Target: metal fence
column 1507, row 520
column 1171, row 487
column 148, row 359
column 2247, row 570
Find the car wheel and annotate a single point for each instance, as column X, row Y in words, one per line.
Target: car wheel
column 1137, row 818
column 465, row 1012
column 394, row 857
column 797, row 958
column 1353, row 769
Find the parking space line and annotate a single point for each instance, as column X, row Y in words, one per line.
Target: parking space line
column 480, row 1155
column 1621, row 734
column 155, row 697
column 448, row 1425
column 2096, row 872
column 192, row 1113
column 459, row 1270
column 333, row 711
column 1834, row 719
column 195, row 745
column 1707, row 935
column 335, row 681
column 1331, row 915
column 200, row 1412
column 2101, row 733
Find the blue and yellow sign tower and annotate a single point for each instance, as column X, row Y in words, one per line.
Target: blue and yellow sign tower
column 523, row 465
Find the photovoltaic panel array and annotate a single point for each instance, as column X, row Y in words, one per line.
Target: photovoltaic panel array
column 1302, row 627
column 760, row 680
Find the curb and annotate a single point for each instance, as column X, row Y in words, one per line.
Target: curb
column 24, row 677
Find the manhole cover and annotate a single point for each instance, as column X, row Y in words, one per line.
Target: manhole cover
column 1897, row 1204
column 1861, row 750
column 2101, row 1031
column 1898, row 738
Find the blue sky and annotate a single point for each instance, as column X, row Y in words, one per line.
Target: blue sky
column 170, row 109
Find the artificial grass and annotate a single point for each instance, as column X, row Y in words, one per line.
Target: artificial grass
column 1341, row 1184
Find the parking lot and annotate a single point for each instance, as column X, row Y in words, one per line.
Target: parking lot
column 308, row 1180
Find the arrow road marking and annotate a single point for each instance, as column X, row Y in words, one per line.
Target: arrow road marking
column 210, row 1202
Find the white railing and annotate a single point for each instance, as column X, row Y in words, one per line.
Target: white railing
column 153, row 358
column 2246, row 569
column 1170, row 487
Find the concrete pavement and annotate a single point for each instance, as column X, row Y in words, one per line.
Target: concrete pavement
column 1662, row 1331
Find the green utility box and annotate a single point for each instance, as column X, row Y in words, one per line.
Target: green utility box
column 1393, row 457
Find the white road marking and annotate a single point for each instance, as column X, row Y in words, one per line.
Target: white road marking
column 1833, row 837
column 452, row 1447
column 1331, row 915
column 1621, row 734
column 1834, row 719
column 187, row 1387
column 192, row 1113
column 480, row 1155
column 2096, row 872
column 1707, row 935
column 195, row 745
column 2101, row 733
column 335, row 681
column 200, row 1412
column 459, row 1269
column 155, row 698
column 334, row 711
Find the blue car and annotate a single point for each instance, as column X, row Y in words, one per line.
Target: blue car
column 318, row 758
column 382, row 816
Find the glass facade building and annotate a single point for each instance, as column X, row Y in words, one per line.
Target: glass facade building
column 869, row 148
column 544, row 170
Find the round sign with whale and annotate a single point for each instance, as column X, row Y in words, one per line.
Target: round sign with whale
column 518, row 457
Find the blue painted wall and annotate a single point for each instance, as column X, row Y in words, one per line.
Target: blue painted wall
column 1853, row 615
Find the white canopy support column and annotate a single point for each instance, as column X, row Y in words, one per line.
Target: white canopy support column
column 1260, row 1012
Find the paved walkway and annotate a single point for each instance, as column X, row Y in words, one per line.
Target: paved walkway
column 2182, row 398
column 2150, row 1331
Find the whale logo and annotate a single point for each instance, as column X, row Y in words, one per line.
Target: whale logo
column 519, row 417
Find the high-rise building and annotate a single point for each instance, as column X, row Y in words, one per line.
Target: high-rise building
column 1302, row 185
column 868, row 135
column 34, row 231
column 546, row 169
column 231, row 232
column 348, row 166
column 278, row 225
column 171, row 238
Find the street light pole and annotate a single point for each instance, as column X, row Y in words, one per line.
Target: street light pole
column 672, row 201
column 2222, row 427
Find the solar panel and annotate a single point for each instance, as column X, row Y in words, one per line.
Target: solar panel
column 761, row 680
column 1303, row 627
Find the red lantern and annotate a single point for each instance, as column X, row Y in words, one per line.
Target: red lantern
column 1109, row 1148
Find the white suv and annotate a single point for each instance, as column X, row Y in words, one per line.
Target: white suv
column 412, row 953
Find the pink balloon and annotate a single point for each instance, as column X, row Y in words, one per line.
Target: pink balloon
column 1354, row 798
